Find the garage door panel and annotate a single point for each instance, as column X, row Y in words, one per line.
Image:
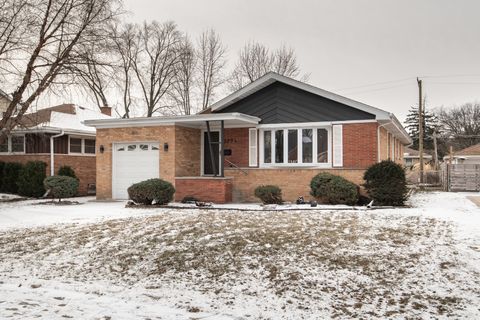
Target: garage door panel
column 134, row 162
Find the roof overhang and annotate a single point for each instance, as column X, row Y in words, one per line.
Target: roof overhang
column 394, row 126
column 234, row 119
column 47, row 129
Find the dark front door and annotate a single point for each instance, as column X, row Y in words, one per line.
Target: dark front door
column 207, row 158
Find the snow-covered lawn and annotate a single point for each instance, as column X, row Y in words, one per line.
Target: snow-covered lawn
column 109, row 262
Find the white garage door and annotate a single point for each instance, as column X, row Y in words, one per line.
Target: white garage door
column 132, row 163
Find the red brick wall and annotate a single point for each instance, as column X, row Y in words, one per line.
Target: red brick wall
column 294, row 182
column 359, row 145
column 217, row 190
column 84, row 166
column 236, row 139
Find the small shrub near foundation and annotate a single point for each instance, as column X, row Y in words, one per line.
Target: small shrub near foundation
column 269, row 194
column 386, row 184
column 152, row 191
column 332, row 189
column 61, row 186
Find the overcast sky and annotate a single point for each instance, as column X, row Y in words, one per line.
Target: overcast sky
column 347, row 45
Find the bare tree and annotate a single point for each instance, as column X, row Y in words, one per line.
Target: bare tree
column 154, row 62
column 461, row 125
column 123, row 45
column 96, row 70
column 14, row 19
column 211, row 55
column 57, row 28
column 185, row 68
column 255, row 60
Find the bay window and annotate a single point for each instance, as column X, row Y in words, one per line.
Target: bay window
column 267, row 142
column 292, row 146
column 295, row 147
column 279, row 146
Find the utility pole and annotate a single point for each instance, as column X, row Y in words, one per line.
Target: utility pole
column 435, row 149
column 420, row 128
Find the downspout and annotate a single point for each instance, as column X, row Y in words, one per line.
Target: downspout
column 378, row 138
column 52, row 152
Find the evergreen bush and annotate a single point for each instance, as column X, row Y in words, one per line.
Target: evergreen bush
column 332, row 189
column 61, row 186
column 30, row 179
column 11, row 171
column 67, row 171
column 2, row 166
column 148, row 191
column 386, row 184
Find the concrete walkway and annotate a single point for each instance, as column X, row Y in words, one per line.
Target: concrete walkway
column 474, row 199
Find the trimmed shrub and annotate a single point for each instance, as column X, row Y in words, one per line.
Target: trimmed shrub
column 30, row 179
column 67, row 171
column 61, row 186
column 11, row 171
column 269, row 194
column 148, row 191
column 332, row 189
column 386, row 184
column 2, row 166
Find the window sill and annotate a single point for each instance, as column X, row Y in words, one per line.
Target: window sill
column 81, row 154
column 296, row 166
column 11, row 153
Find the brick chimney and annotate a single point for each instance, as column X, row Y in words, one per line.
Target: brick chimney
column 106, row 110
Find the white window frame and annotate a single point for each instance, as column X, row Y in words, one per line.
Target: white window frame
column 253, row 149
column 82, row 148
column 299, row 164
column 9, row 144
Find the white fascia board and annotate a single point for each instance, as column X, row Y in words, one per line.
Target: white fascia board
column 271, row 77
column 55, row 130
column 164, row 121
column 311, row 124
column 394, row 127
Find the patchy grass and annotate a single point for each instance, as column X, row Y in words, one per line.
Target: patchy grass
column 263, row 264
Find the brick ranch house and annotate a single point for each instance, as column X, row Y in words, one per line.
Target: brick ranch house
column 61, row 127
column 275, row 130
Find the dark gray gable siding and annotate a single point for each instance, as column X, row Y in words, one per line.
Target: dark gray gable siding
column 281, row 103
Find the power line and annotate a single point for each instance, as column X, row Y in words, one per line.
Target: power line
column 453, row 82
column 452, row 76
column 380, row 89
column 374, row 84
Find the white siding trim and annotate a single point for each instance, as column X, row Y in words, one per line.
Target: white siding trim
column 252, row 147
column 337, row 145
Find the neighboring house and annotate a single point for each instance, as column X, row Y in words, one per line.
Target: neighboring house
column 275, row 130
column 5, row 100
column 411, row 157
column 73, row 142
column 470, row 155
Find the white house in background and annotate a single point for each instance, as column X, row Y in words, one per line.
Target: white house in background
column 411, row 157
column 470, row 155
column 5, row 100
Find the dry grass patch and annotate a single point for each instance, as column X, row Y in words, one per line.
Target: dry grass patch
column 347, row 264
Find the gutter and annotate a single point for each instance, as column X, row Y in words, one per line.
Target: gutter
column 52, row 152
column 378, row 138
